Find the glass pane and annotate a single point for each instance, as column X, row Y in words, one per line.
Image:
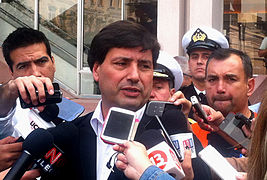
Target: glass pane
column 245, row 23
column 143, row 12
column 98, row 14
column 16, row 14
column 58, row 20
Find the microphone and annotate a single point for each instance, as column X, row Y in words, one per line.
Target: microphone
column 50, row 113
column 37, row 143
column 176, row 125
column 64, row 134
column 160, row 153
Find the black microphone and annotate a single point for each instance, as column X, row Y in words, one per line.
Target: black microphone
column 160, row 153
column 65, row 136
column 175, row 121
column 37, row 143
column 50, row 113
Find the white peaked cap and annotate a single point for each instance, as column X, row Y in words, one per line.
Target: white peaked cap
column 203, row 37
column 168, row 61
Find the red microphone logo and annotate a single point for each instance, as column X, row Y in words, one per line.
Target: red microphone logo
column 159, row 158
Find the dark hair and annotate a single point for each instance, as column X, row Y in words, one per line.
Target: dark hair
column 23, row 37
column 224, row 53
column 122, row 34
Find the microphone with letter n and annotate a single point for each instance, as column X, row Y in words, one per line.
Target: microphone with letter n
column 160, row 153
column 37, row 143
column 65, row 135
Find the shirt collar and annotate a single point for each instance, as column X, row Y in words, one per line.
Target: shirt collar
column 198, row 91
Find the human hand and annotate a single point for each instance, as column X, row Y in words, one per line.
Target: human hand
column 31, row 174
column 179, row 98
column 28, row 175
column 29, row 83
column 9, row 152
column 10, row 91
column 241, row 176
column 248, row 133
column 214, row 119
column 187, row 166
column 132, row 159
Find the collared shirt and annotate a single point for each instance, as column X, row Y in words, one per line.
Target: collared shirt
column 198, row 91
column 104, row 151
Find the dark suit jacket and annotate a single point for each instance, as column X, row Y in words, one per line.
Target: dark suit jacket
column 85, row 161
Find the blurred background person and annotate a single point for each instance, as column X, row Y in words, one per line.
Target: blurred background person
column 257, row 158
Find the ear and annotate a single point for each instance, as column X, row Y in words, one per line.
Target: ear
column 53, row 61
column 172, row 91
column 96, row 69
column 250, row 86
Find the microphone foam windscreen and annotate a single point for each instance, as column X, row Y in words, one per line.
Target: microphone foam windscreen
column 50, row 112
column 174, row 121
column 151, row 138
column 38, row 142
column 64, row 134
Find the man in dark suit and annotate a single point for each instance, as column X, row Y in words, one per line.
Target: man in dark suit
column 122, row 58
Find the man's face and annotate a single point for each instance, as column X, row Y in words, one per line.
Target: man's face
column 32, row 60
column 161, row 90
column 227, row 88
column 125, row 78
column 197, row 63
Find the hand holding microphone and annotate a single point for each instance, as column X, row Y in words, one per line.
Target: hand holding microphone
column 132, row 159
column 36, row 144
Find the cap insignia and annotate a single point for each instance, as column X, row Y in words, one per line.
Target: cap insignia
column 199, row 35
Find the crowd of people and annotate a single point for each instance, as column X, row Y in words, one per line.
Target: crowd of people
column 130, row 70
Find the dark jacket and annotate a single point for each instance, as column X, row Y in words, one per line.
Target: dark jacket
column 85, row 161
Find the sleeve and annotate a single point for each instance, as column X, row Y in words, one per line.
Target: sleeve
column 6, row 127
column 155, row 173
column 263, row 44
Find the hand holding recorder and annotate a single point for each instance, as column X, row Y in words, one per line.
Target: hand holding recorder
column 26, row 86
column 49, row 98
column 207, row 118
